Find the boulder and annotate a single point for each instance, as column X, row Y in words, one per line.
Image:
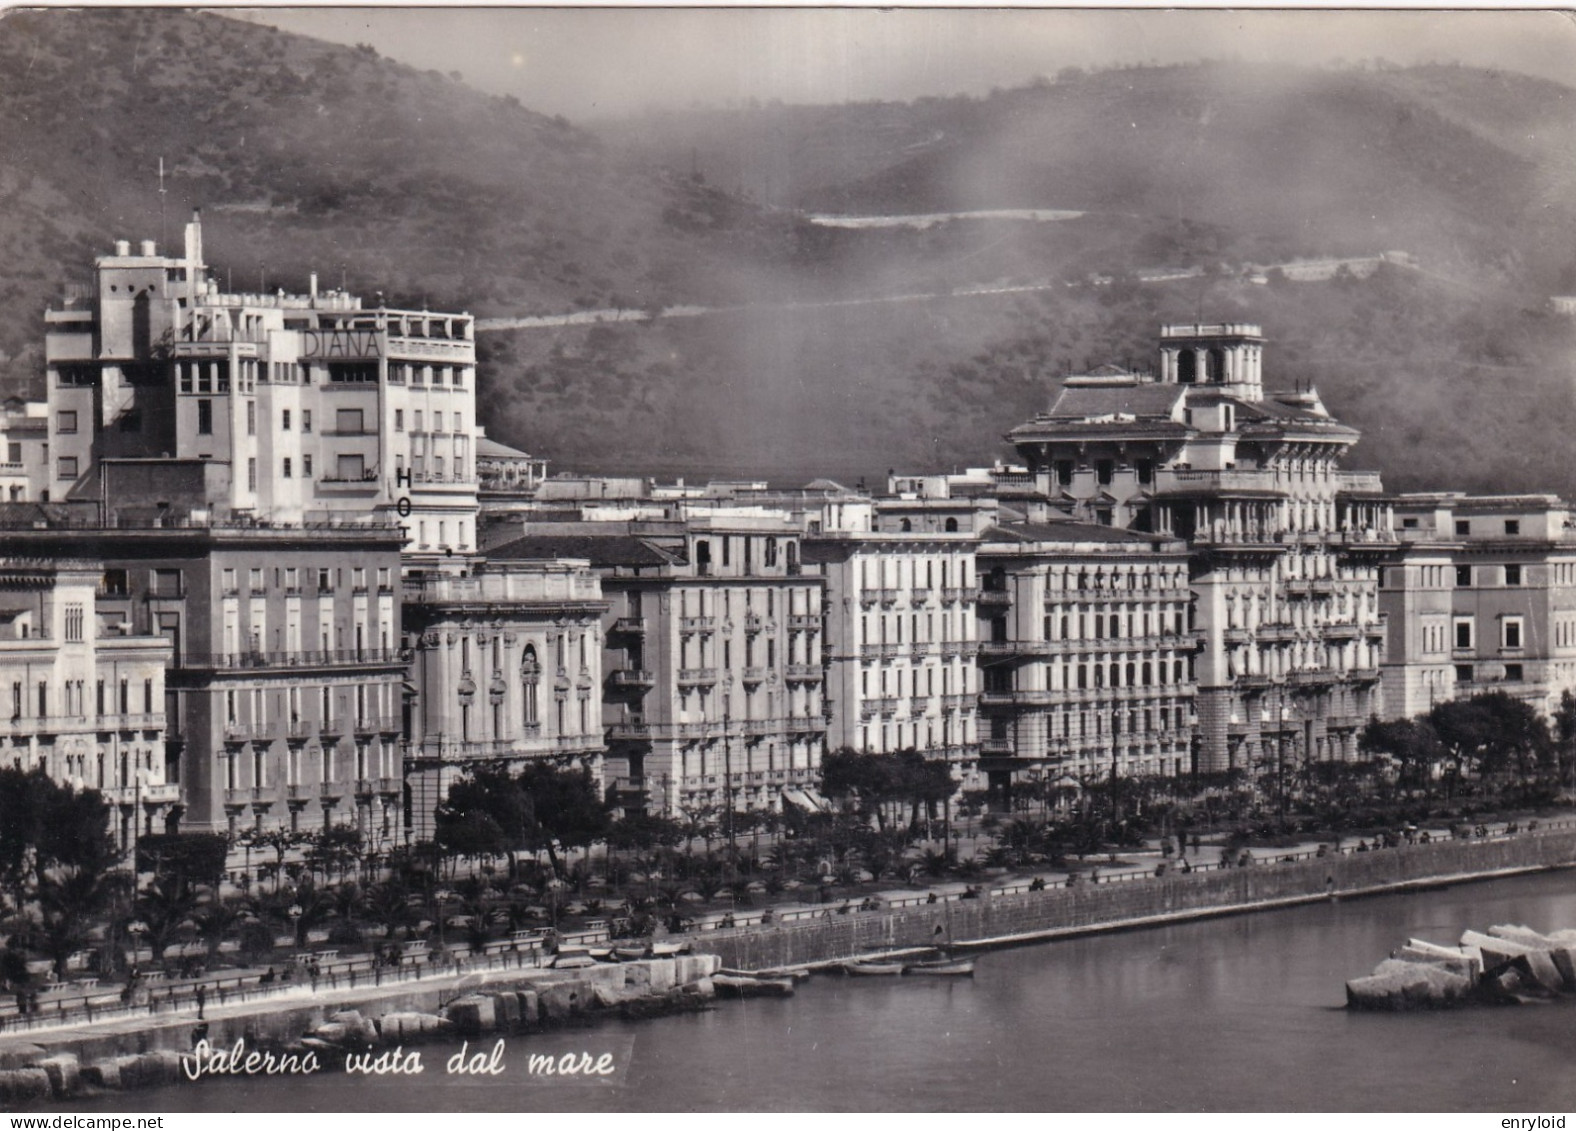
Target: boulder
column 1500, row 952
column 662, row 973
column 150, row 1069
column 20, row 1085
column 1564, row 959
column 332, row 1033
column 559, row 1000
column 362, row 1030
column 472, row 1015
column 1397, row 985
column 20, row 1056
column 506, row 1007
column 1526, row 936
column 65, row 1074
column 103, row 1073
column 1456, row 963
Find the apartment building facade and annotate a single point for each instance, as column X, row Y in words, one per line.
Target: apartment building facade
column 1480, row 597
column 1086, row 655
column 712, row 671
column 507, row 668
column 83, row 694
column 1285, row 546
column 314, row 407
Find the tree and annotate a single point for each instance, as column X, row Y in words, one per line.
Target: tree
column 565, row 806
column 1565, row 739
column 1495, row 731
column 191, row 859
column 1412, row 742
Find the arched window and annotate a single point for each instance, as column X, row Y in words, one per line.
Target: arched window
column 951, row 526
column 1186, row 373
column 1116, row 674
column 530, row 685
column 905, row 526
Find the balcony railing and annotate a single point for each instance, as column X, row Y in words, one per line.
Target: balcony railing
column 633, row 677
column 803, row 671
column 632, row 625
column 391, row 786
column 697, row 675
column 804, row 621
column 629, row 732
column 578, row 742
column 697, row 624
column 297, row 659
column 753, row 675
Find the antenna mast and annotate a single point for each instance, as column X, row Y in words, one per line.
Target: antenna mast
column 164, row 234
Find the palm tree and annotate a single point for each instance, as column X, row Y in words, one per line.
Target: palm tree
column 215, row 919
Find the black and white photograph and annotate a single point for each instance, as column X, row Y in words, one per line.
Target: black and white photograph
column 787, row 559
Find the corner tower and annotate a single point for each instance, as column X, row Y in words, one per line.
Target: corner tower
column 1227, row 356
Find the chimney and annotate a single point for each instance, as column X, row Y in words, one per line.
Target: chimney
column 122, row 248
column 149, row 249
column 314, row 285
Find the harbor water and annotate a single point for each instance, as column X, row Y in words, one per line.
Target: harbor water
column 1243, row 1013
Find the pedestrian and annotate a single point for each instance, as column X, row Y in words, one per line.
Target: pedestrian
column 202, row 998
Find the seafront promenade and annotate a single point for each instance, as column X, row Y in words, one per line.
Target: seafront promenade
column 1007, row 912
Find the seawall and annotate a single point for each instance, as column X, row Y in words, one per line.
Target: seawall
column 1086, row 908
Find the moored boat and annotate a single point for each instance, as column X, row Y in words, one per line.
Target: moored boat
column 872, row 969
column 630, row 953
column 669, row 949
column 944, row 968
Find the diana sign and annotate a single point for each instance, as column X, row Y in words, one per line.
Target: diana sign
column 341, row 344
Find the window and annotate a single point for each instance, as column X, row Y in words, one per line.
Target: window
column 284, row 420
column 66, row 467
column 416, row 421
column 399, row 420
column 1463, row 673
column 251, row 473
column 1103, row 470
column 1463, row 527
column 1409, row 524
column 66, row 421
column 1510, row 629
column 1513, row 672
column 348, row 421
column 74, row 623
column 1512, row 526
column 251, row 418
column 306, row 467
column 351, row 468
column 306, row 420
column 1463, row 632
column 286, row 469
column 13, row 452
column 205, row 418
column 1463, row 576
column 1513, row 575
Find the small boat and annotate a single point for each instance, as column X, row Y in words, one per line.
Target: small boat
column 630, row 953
column 945, row 968
column 573, row 961
column 602, row 954
column 741, row 986
column 872, row 969
column 669, row 949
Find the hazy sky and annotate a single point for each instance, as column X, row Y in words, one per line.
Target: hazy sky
column 589, row 62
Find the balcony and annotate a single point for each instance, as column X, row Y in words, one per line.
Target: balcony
column 257, row 795
column 310, row 658
column 754, row 622
column 694, row 730
column 1189, row 481
column 1314, row 678
column 633, row 678
column 299, row 730
column 758, row 727
column 365, row 787
column 626, row 786
column 1002, row 746
column 803, row 672
column 248, row 732
column 804, row 622
column 753, row 675
column 366, row 726
column 952, row 596
column 391, row 787
column 299, row 794
column 995, row 597
column 920, row 595
column 920, row 649
column 691, row 676
column 633, row 626
column 804, row 724
column 891, row 651
column 578, row 743
column 887, row 596
column 330, row 791
column 697, row 624
column 870, row 651
column 629, row 732
column 956, row 702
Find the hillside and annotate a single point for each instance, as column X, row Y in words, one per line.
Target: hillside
column 306, row 156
